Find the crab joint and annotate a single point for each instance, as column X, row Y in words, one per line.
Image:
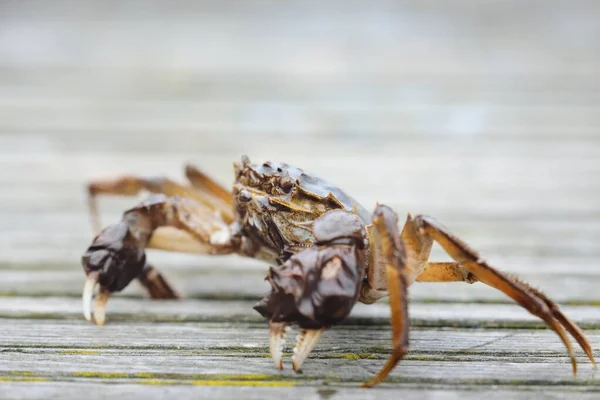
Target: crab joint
column 277, row 333
column 306, row 342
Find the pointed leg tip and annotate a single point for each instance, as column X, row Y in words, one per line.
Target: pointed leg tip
column 371, row 382
column 280, row 366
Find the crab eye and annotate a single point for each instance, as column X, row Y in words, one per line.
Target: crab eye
column 244, row 196
column 286, row 183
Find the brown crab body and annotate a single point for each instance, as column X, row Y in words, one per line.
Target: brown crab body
column 277, row 205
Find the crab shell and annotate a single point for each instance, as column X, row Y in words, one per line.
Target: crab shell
column 314, row 231
column 277, row 206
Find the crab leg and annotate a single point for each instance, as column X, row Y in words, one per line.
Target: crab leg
column 204, row 190
column 207, row 185
column 530, row 299
column 156, row 285
column 391, row 251
column 445, row 272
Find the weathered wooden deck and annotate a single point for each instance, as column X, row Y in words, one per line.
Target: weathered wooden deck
column 485, row 116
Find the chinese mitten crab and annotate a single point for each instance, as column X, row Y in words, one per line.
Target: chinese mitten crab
column 326, row 252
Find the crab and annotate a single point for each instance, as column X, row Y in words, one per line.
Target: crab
column 326, row 252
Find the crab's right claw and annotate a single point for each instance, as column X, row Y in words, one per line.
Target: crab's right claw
column 305, row 343
column 112, row 261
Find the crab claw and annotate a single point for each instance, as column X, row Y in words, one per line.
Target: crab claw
column 305, row 343
column 88, row 294
column 112, row 261
column 277, row 333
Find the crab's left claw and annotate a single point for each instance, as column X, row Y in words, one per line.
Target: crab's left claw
column 112, row 261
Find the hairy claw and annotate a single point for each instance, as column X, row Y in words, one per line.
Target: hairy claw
column 529, row 298
column 305, row 343
column 560, row 331
column 277, row 333
column 565, row 322
column 576, row 333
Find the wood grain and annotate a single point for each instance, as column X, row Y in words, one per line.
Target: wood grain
column 484, row 115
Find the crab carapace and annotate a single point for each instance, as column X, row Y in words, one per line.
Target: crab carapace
column 325, row 251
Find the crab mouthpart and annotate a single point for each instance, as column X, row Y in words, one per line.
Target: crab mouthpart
column 305, row 343
column 88, row 294
column 277, row 333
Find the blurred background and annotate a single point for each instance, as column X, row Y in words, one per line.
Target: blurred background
column 485, row 115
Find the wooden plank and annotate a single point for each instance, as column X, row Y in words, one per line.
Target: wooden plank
column 58, row 337
column 325, row 371
column 225, row 280
column 503, row 152
column 315, row 119
column 329, row 367
column 93, row 390
column 422, row 314
column 263, row 33
column 174, row 354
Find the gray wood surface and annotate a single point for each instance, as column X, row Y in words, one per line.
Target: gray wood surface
column 485, row 115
